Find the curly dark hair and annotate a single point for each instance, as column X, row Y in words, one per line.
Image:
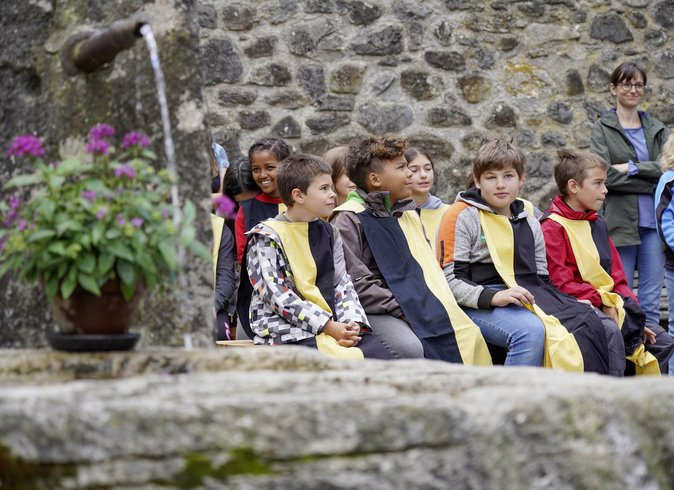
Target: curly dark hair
column 277, row 146
column 369, row 154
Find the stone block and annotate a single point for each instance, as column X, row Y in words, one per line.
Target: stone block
column 637, row 20
column 446, row 60
column 553, row 139
column 271, row 75
column 664, row 64
column 379, row 42
column 420, row 85
column 439, row 148
column 384, row 117
column 502, row 116
column 281, row 11
column 441, row 117
column 610, row 27
column 288, row 99
column 239, row 16
column 311, row 79
column 598, row 78
column 415, row 36
column 474, row 88
column 220, row 62
column 318, row 6
column 208, row 16
column 287, row 128
column 406, row 11
column 327, row 123
column 473, row 140
column 574, row 83
column 662, row 13
column 382, row 80
column 560, row 112
column 230, row 97
column 254, row 119
column 358, row 12
column 347, row 79
column 315, row 146
column 329, row 102
column 443, row 32
column 263, row 46
column 484, row 58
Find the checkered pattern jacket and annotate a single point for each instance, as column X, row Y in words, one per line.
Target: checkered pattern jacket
column 278, row 314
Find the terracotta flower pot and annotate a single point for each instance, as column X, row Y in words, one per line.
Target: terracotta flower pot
column 84, row 313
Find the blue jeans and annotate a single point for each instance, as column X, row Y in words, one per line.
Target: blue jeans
column 512, row 327
column 649, row 260
column 669, row 282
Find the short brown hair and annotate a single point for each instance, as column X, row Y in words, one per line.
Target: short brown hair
column 667, row 153
column 498, row 154
column 627, row 71
column 298, row 172
column 336, row 158
column 574, row 164
column 369, row 154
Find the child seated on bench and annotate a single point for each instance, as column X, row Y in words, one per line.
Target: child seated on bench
column 584, row 263
column 294, row 278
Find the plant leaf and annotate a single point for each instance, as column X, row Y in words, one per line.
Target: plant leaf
column 22, row 180
column 120, row 250
column 40, row 235
column 126, row 271
column 97, row 232
column 105, row 263
column 200, row 250
column 168, row 252
column 69, row 283
column 187, row 236
column 128, row 290
column 89, row 283
column 51, row 286
column 86, row 263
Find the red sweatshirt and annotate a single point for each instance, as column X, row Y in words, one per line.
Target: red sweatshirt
column 562, row 264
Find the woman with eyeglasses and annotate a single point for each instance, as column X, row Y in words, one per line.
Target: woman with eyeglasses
column 630, row 140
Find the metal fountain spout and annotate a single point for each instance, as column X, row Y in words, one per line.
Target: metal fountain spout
column 86, row 51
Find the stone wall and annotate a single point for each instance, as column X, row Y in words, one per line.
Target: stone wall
column 290, row 418
column 446, row 74
column 39, row 98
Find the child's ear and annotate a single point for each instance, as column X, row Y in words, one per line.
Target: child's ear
column 476, row 182
column 373, row 180
column 297, row 195
column 572, row 186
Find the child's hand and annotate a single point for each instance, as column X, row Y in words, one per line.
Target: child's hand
column 611, row 312
column 345, row 334
column 513, row 296
column 649, row 335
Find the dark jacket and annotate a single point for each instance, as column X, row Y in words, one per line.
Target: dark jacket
column 610, row 142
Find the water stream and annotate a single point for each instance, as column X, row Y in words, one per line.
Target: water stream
column 169, row 149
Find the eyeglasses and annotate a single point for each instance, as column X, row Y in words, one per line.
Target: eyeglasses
column 626, row 86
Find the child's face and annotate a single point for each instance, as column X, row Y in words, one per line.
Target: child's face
column 264, row 165
column 319, row 200
column 343, row 186
column 591, row 192
column 422, row 176
column 394, row 177
column 500, row 188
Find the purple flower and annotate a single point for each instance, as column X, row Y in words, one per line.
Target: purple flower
column 137, row 222
column 14, row 202
column 135, row 138
column 26, row 144
column 22, row 225
column 224, row 206
column 99, row 147
column 101, row 131
column 89, row 195
column 102, row 212
column 120, row 220
column 125, row 170
column 165, row 213
column 2, row 244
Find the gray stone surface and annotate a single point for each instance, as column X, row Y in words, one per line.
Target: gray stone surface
column 293, row 419
column 610, row 27
column 385, row 117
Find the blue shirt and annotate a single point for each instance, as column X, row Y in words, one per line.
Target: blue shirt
column 645, row 203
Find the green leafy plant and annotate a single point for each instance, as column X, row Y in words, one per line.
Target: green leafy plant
column 87, row 221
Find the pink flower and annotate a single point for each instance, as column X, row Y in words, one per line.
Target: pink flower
column 125, row 170
column 26, row 144
column 137, row 222
column 89, row 195
column 99, row 147
column 224, row 206
column 135, row 138
column 101, row 131
column 101, row 213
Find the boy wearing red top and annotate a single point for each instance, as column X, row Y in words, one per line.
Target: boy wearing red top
column 583, row 262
